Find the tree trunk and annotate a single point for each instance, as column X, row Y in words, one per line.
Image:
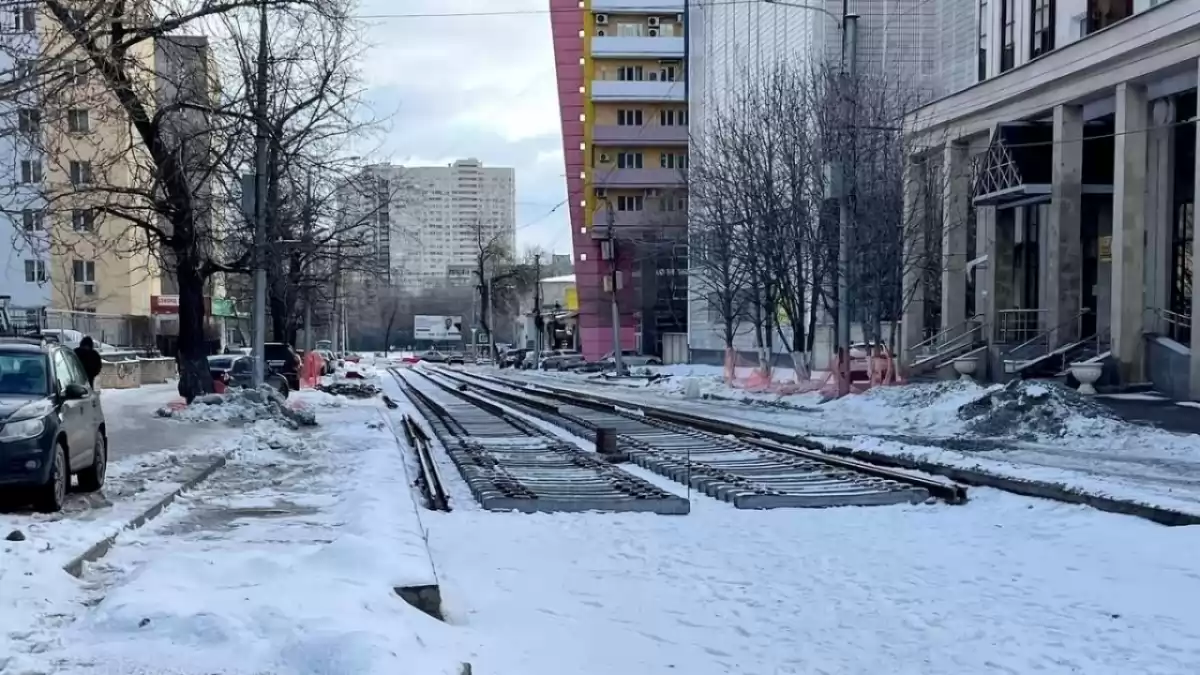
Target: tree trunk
column 194, row 377
column 279, row 318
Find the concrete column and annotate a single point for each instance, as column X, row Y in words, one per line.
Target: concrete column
column 985, row 274
column 912, row 322
column 1063, row 275
column 1129, row 230
column 1195, row 341
column 956, row 203
column 1160, row 217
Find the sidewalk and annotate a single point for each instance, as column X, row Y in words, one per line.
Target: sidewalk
column 283, row 562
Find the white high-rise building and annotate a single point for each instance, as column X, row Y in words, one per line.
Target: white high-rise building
column 437, row 219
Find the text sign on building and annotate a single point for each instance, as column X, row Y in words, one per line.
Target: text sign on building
column 435, row 327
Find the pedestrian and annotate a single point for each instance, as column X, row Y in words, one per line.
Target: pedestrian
column 90, row 358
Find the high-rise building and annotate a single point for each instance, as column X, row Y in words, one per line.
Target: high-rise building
column 622, row 86
column 429, row 224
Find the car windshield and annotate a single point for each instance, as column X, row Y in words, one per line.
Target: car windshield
column 220, row 362
column 277, row 352
column 23, row 373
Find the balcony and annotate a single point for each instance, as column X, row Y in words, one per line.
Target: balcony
column 639, row 136
column 635, row 223
column 620, row 91
column 637, row 6
column 638, row 47
column 609, row 177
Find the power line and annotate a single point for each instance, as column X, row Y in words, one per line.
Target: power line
column 516, row 12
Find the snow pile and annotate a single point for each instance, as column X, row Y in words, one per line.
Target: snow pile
column 241, row 406
column 1032, row 410
column 933, row 406
column 350, row 389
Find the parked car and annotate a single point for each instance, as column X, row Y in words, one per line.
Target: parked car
column 70, row 338
column 282, row 359
column 234, row 370
column 329, row 361
column 512, row 358
column 631, row 358
column 432, row 356
column 51, row 423
column 455, row 359
column 559, row 358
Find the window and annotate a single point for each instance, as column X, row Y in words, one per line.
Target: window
column 629, row 118
column 65, row 371
column 667, row 73
column 29, row 120
column 630, row 203
column 25, row 68
column 76, row 72
column 672, row 118
column 23, row 373
column 630, row 29
column 669, row 160
column 35, row 271
column 1008, row 35
column 84, row 271
column 31, row 171
column 630, row 73
column 81, row 172
column 25, row 19
column 984, row 21
column 31, row 220
column 1042, row 28
column 672, row 203
column 83, row 220
column 1103, row 13
column 629, row 160
column 78, row 122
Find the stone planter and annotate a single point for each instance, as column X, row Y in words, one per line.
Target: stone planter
column 1087, row 373
column 966, row 368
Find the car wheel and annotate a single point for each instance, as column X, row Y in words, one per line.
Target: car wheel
column 53, row 495
column 91, row 479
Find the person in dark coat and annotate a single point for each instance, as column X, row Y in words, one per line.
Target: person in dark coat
column 90, row 358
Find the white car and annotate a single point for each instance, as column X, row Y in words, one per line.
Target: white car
column 68, row 337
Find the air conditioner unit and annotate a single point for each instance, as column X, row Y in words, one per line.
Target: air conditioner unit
column 601, row 193
column 653, row 32
column 653, row 76
column 679, row 18
column 653, row 21
column 605, row 159
column 653, row 193
column 601, row 19
column 601, row 33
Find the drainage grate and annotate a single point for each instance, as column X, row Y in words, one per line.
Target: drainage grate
column 511, row 465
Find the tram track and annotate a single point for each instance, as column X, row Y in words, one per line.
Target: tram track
column 510, row 464
column 749, row 473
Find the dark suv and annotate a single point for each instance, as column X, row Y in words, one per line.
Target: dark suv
column 282, row 359
column 51, row 422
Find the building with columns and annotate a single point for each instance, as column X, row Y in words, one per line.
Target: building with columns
column 1062, row 190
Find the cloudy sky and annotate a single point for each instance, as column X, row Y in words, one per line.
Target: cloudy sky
column 473, row 86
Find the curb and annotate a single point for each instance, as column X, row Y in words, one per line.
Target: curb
column 101, row 548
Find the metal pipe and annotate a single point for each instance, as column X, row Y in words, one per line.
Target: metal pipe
column 260, row 203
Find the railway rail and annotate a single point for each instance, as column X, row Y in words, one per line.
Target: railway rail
column 746, row 472
column 429, row 482
column 510, row 464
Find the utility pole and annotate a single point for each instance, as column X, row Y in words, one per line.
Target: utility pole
column 260, row 201
column 537, row 307
column 845, row 216
column 615, row 279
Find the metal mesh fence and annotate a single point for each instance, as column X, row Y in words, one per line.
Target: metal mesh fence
column 131, row 332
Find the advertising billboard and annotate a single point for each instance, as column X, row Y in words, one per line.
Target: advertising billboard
column 433, row 327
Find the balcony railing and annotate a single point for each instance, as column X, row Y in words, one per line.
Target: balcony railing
column 637, row 90
column 608, row 177
column 657, row 47
column 647, row 134
column 1172, row 325
column 638, row 6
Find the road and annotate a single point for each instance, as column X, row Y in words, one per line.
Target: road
column 133, row 428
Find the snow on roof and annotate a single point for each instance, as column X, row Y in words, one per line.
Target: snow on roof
column 564, row 279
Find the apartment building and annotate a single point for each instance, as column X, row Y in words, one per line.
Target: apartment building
column 1068, row 195
column 25, row 263
column 733, row 46
column 622, row 86
column 427, row 224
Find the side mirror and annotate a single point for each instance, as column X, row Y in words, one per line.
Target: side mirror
column 74, row 392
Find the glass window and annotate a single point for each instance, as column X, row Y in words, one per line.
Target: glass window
column 23, row 373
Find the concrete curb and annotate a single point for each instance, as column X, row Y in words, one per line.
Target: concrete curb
column 101, row 548
column 973, row 477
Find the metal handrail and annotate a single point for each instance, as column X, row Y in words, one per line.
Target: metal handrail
column 1046, row 333
column 1006, row 317
column 1176, row 324
column 937, row 337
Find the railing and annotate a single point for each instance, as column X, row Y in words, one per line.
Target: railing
column 1018, row 325
column 1043, row 338
column 950, row 339
column 1172, row 325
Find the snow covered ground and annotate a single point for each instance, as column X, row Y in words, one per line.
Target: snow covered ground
column 1004, row 584
column 1060, row 440
column 284, row 562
